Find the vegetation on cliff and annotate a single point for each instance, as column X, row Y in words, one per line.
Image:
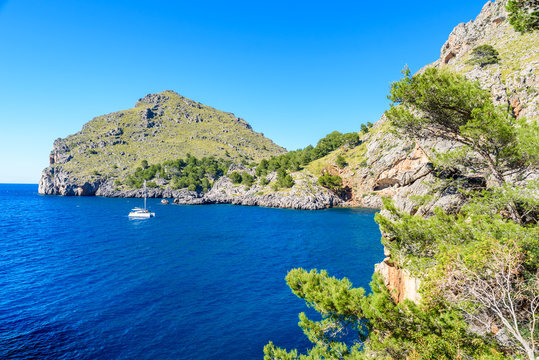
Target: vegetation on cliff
column 479, row 264
column 298, row 159
column 484, row 55
column 189, row 173
column 442, row 104
column 523, row 15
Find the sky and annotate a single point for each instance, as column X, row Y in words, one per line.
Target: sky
column 295, row 70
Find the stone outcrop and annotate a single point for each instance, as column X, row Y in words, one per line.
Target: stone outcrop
column 401, row 285
column 305, row 194
column 400, row 167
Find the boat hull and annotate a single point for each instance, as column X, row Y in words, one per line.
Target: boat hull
column 135, row 215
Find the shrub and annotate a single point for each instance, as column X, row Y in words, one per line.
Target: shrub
column 523, row 15
column 235, row 177
column 264, row 181
column 284, row 180
column 484, row 55
column 247, row 179
column 332, row 182
column 341, row 162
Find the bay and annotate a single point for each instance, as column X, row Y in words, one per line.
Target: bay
column 79, row 279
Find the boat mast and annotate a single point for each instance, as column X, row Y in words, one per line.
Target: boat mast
column 144, row 194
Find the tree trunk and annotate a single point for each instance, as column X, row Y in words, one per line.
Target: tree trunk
column 511, row 206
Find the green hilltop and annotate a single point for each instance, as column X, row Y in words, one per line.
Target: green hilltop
column 161, row 127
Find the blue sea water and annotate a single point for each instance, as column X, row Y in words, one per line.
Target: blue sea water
column 80, row 280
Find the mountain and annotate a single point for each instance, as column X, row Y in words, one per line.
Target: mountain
column 163, row 126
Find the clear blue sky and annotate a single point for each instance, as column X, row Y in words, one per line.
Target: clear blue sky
column 295, row 70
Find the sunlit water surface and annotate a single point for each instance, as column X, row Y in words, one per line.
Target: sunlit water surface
column 79, row 279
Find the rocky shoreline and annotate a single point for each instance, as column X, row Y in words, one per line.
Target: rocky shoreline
column 305, row 195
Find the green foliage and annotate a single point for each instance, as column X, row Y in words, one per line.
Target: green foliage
column 247, row 179
column 523, row 15
column 264, row 181
column 296, row 160
column 462, row 257
column 484, row 55
column 366, row 127
column 414, row 241
column 284, row 180
column 235, row 177
column 439, row 103
column 188, row 173
column 341, row 161
column 386, row 330
column 332, row 182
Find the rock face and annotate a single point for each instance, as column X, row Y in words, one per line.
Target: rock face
column 399, row 167
column 401, row 285
column 393, row 165
column 164, row 126
column 305, row 194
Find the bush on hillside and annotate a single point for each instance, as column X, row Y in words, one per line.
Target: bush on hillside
column 484, row 55
column 523, row 15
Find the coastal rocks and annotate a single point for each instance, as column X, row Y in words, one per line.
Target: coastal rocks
column 305, row 194
column 514, row 80
column 60, row 153
column 401, row 285
column 57, row 182
column 186, row 197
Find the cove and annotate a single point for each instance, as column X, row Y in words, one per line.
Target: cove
column 81, row 280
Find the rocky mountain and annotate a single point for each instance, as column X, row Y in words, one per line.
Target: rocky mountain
column 163, row 126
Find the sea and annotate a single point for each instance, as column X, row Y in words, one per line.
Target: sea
column 80, row 280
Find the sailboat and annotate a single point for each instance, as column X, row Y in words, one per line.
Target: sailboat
column 142, row 213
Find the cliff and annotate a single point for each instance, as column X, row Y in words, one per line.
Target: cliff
column 390, row 164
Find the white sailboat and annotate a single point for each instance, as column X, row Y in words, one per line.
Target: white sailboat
column 141, row 213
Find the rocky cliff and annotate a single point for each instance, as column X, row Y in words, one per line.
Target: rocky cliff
column 305, row 194
column 389, row 163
